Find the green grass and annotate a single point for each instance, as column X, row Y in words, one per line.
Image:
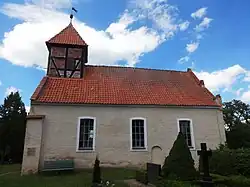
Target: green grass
column 78, row 179
column 9, row 168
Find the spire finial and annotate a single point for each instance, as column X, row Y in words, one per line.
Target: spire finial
column 71, row 15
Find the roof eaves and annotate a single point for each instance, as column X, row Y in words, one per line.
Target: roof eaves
column 127, row 105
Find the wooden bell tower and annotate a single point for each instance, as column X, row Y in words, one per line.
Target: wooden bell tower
column 68, row 54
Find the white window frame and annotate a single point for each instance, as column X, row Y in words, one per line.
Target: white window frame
column 191, row 130
column 145, row 134
column 78, row 133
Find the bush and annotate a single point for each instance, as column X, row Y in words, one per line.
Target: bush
column 179, row 165
column 141, row 176
column 230, row 162
column 97, row 172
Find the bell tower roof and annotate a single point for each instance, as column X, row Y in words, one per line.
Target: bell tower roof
column 68, row 36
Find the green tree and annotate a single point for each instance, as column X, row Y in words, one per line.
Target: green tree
column 12, row 127
column 236, row 115
column 179, row 164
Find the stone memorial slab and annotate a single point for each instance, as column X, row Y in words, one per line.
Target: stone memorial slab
column 153, row 172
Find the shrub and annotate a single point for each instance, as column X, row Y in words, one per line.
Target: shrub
column 230, row 162
column 179, row 164
column 232, row 181
column 141, row 176
column 97, row 172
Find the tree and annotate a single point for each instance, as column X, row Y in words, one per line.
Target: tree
column 97, row 172
column 12, row 127
column 179, row 164
column 236, row 112
column 236, row 115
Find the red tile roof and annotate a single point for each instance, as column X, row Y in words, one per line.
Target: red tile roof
column 68, row 35
column 125, row 86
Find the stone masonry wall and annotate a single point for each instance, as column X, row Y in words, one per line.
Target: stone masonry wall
column 113, row 132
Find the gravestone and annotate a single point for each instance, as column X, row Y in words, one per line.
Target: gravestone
column 205, row 154
column 157, row 155
column 153, row 172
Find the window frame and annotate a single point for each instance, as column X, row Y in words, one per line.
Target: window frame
column 191, row 130
column 145, row 134
column 78, row 133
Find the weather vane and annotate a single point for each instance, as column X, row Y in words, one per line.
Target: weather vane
column 71, row 15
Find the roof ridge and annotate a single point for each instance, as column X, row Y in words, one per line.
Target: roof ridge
column 125, row 67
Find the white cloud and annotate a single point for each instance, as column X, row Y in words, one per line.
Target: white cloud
column 115, row 43
column 247, row 77
column 203, row 25
column 184, row 59
column 183, row 26
column 238, row 92
column 11, row 89
column 27, row 109
column 199, row 13
column 245, row 97
column 159, row 12
column 1, row 83
column 51, row 3
column 221, row 79
column 192, row 47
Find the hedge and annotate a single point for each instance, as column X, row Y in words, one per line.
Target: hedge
column 230, row 162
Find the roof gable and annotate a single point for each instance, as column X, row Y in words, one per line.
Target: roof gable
column 68, row 35
column 126, row 86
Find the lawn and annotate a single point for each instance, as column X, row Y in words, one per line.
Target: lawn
column 9, row 168
column 81, row 179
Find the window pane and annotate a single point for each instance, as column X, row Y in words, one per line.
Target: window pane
column 86, row 134
column 137, row 129
column 186, row 131
column 142, row 128
column 138, row 141
column 142, row 140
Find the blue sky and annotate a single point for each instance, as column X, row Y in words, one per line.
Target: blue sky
column 211, row 37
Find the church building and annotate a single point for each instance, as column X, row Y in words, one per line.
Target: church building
column 127, row 116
